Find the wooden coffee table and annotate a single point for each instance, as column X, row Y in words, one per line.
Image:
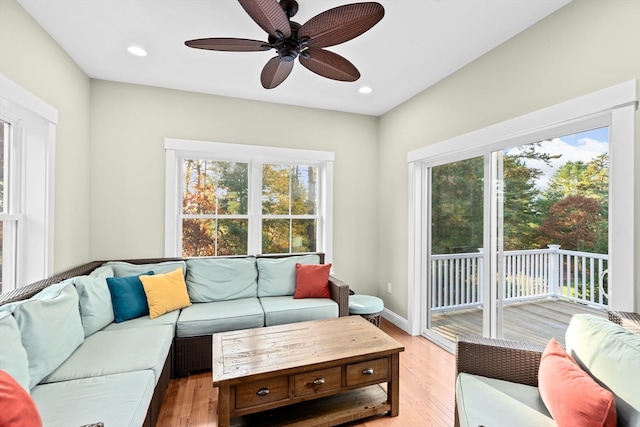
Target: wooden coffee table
column 323, row 372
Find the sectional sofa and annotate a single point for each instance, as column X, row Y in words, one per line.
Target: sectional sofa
column 76, row 343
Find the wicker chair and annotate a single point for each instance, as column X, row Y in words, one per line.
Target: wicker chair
column 513, row 361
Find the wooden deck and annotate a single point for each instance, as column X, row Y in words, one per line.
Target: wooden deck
column 536, row 321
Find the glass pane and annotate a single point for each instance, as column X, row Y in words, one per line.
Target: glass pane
column 4, row 135
column 304, row 190
column 455, row 288
column 556, row 203
column 276, row 186
column 276, row 236
column 215, row 187
column 214, row 237
column 303, row 235
column 1, row 252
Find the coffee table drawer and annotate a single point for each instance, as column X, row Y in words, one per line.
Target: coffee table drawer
column 318, row 381
column 261, row 392
column 372, row 371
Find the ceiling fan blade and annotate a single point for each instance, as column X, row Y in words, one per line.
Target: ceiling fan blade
column 228, row 44
column 341, row 24
column 329, row 65
column 269, row 15
column 275, row 72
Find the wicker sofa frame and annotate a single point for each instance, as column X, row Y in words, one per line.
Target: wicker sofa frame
column 513, row 361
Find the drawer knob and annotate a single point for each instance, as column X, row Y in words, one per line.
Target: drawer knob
column 262, row 392
column 318, row 381
column 368, row 371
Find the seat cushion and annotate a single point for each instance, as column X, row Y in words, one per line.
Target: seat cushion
column 609, row 353
column 50, row 328
column 114, row 352
column 96, row 309
column 221, row 279
column 210, row 317
column 282, row 310
column 13, row 356
column 485, row 401
column 277, row 276
column 116, row 400
column 170, row 318
column 123, row 268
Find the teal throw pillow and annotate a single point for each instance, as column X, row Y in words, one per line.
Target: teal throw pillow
column 128, row 297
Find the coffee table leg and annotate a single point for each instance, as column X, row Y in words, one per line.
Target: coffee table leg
column 223, row 406
column 393, row 386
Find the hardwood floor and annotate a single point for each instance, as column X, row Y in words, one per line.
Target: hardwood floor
column 426, row 390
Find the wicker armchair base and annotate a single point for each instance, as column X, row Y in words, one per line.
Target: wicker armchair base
column 627, row 320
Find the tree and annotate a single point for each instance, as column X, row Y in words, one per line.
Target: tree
column 573, row 223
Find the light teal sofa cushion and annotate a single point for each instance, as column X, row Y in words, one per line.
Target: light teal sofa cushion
column 119, row 400
column 96, row 310
column 221, row 279
column 277, row 276
column 13, row 356
column 282, row 310
column 611, row 355
column 124, row 269
column 50, row 328
column 170, row 318
column 115, row 352
column 483, row 401
column 207, row 318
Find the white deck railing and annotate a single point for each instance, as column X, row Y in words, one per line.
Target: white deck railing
column 456, row 279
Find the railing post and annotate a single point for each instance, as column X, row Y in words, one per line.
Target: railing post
column 554, row 268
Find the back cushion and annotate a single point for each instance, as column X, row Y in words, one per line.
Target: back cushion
column 611, row 355
column 124, row 269
column 221, row 279
column 277, row 276
column 13, row 356
column 96, row 310
column 50, row 327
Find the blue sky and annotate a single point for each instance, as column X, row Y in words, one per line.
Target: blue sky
column 583, row 146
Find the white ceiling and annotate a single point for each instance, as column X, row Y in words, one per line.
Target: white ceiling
column 417, row 43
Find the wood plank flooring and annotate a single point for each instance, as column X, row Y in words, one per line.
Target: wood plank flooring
column 534, row 321
column 426, row 390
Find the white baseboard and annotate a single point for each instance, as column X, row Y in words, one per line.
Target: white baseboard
column 399, row 321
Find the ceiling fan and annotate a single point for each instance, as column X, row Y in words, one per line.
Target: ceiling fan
column 306, row 42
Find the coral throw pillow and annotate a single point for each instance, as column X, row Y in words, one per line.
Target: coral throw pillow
column 165, row 292
column 312, row 281
column 572, row 397
column 18, row 408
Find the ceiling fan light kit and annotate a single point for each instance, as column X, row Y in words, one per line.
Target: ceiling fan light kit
column 306, row 42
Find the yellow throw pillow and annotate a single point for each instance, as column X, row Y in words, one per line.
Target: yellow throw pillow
column 165, row 292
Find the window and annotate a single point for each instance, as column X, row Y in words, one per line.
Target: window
column 611, row 110
column 27, row 146
column 232, row 199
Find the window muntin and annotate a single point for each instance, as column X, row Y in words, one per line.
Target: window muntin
column 289, row 208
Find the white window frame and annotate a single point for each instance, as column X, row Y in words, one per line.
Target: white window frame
column 29, row 242
column 615, row 107
column 176, row 150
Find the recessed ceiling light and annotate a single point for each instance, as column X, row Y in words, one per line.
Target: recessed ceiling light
column 365, row 89
column 137, row 51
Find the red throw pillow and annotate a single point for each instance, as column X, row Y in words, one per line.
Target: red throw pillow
column 312, row 281
column 18, row 408
column 572, row 397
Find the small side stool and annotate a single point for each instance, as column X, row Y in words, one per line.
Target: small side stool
column 367, row 306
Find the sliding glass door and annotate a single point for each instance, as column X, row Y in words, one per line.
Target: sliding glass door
column 517, row 239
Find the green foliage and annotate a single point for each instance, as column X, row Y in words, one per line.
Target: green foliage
column 572, row 212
